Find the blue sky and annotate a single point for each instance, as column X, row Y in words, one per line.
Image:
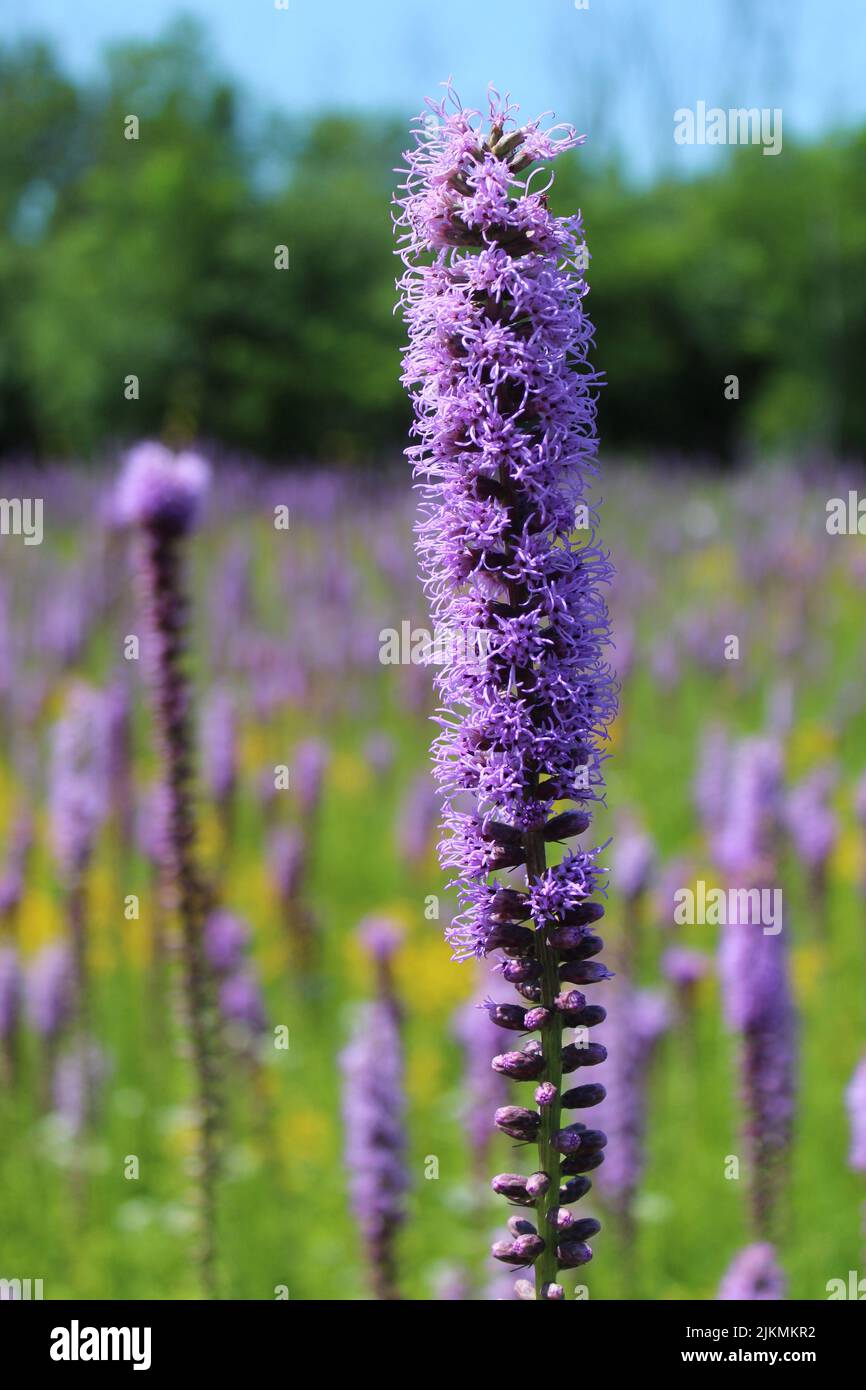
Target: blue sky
column 618, row 69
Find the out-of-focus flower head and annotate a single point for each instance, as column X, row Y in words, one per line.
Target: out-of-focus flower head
column 161, row 490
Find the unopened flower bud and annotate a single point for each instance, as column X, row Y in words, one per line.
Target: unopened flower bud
column 518, row 1065
column 589, row 1056
column 520, row 1226
column 545, row 1094
column 573, row 1253
column 511, row 1016
column 514, row 1187
column 573, row 1189
column 536, row 1018
column 517, row 1122
column 582, row 1097
column 566, row 1141
column 537, row 1184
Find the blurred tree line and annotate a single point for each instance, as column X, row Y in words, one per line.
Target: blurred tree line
column 155, row 257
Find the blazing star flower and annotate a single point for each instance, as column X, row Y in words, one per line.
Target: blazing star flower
column 638, row 1021
column 504, row 396
column 79, row 788
column 754, row 1275
column 14, row 870
column 711, row 784
column 50, row 990
column 485, row 1090
column 755, row 980
column 161, row 495
column 219, row 750
column 855, row 1100
column 685, row 969
column 308, row 770
column 814, row 828
column 78, row 1079
column 374, row 1113
column 634, row 860
column 11, row 989
column 226, row 938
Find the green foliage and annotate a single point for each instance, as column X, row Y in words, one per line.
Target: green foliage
column 156, row 257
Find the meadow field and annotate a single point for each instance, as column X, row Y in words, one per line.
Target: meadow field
column 317, row 812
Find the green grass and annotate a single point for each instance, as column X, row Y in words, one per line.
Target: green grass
column 284, row 1218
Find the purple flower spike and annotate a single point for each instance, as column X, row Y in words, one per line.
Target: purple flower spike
column 753, row 1275
column 756, row 988
column 485, row 1090
column 10, row 990
column 161, row 490
column 50, row 990
column 380, row 936
column 505, row 401
column 160, row 495
column 855, row 1100
column 241, row 1002
column 226, row 938
column 374, row 1119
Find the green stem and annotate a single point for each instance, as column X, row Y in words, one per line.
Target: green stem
column 551, row 1040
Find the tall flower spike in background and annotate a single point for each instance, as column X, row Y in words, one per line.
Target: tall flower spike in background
column 161, row 495
column 79, row 793
column 755, row 981
column 374, row 1106
column 855, row 1102
column 504, row 400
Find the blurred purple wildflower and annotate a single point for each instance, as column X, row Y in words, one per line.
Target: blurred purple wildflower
column 637, row 1022
column 226, row 938
column 484, row 1090
column 754, row 1274
column 161, row 496
column 374, row 1120
column 79, row 782
column 855, row 1100
column 49, row 990
column 755, row 983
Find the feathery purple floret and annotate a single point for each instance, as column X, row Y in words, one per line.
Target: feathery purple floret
column 504, row 396
column 753, row 1275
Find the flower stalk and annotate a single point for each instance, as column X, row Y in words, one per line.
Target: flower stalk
column 161, row 495
column 504, row 396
